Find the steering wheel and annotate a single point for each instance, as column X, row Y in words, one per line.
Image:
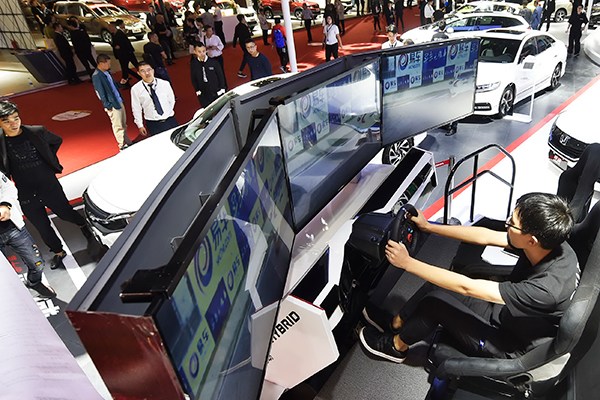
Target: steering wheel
column 404, row 230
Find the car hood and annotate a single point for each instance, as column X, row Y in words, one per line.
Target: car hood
column 128, row 178
column 577, row 122
column 493, row 72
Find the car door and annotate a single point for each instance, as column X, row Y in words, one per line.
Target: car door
column 527, row 68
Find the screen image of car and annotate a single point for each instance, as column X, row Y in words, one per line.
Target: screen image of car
column 424, row 89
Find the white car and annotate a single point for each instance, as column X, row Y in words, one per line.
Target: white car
column 485, row 6
column 231, row 8
column 110, row 203
column 513, row 63
column 572, row 132
column 467, row 25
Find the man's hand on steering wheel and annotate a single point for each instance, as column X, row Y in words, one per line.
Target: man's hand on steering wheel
column 420, row 221
column 397, row 254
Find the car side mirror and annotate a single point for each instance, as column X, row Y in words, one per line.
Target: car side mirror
column 450, row 30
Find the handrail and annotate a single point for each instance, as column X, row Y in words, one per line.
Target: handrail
column 448, row 192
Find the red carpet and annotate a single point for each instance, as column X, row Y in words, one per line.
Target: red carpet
column 89, row 140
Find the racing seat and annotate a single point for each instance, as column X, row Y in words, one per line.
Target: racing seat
column 576, row 185
column 543, row 367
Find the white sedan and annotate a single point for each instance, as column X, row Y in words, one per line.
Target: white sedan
column 512, row 64
column 467, row 25
column 486, row 6
column 110, row 203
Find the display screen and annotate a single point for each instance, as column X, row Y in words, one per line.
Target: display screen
column 329, row 133
column 240, row 266
column 426, row 88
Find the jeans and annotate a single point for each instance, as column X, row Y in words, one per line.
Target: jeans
column 22, row 244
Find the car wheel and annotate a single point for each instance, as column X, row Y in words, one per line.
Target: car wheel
column 506, row 101
column 106, row 36
column 268, row 13
column 395, row 152
column 298, row 13
column 560, row 15
column 555, row 78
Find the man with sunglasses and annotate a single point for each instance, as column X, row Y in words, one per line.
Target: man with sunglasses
column 486, row 318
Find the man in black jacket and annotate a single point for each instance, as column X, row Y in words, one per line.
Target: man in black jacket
column 243, row 34
column 124, row 52
column 81, row 44
column 28, row 155
column 207, row 76
column 165, row 37
column 548, row 9
column 66, row 53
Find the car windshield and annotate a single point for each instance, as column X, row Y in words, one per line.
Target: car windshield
column 497, row 50
column 185, row 136
column 108, row 11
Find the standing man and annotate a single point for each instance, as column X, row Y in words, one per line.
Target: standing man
column 243, row 34
column 392, row 42
column 548, row 10
column 260, row 67
column 332, row 39
column 375, row 11
column 124, row 52
column 151, row 17
column 107, row 92
column 66, row 53
column 307, row 17
column 14, row 235
column 156, row 56
column 399, row 13
column 577, row 23
column 29, row 159
column 340, row 14
column 165, row 36
column 214, row 49
column 279, row 40
column 152, row 101
column 536, row 18
column 218, row 21
column 82, row 44
column 207, row 76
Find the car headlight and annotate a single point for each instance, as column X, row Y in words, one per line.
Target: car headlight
column 487, row 87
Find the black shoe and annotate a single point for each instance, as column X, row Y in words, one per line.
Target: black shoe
column 381, row 344
column 450, row 132
column 44, row 291
column 57, row 261
column 378, row 318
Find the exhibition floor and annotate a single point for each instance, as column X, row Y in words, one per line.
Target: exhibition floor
column 88, row 141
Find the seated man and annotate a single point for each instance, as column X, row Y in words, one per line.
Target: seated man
column 487, row 318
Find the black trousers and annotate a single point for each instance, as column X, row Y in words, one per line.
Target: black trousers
column 466, row 319
column 124, row 63
column 376, row 23
column 265, row 37
column 219, row 31
column 307, row 25
column 546, row 18
column 244, row 52
column 283, row 56
column 222, row 64
column 574, row 41
column 70, row 69
column 34, row 207
column 155, row 127
column 87, row 60
column 400, row 20
column 331, row 50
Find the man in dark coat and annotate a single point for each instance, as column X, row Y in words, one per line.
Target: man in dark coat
column 123, row 51
column 165, row 37
column 399, row 13
column 207, row 76
column 66, row 53
column 82, row 44
column 547, row 10
column 242, row 34
column 28, row 157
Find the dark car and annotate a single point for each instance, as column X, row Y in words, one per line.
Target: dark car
column 273, row 8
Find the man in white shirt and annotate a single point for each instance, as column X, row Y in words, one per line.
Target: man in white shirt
column 153, row 102
column 214, row 46
column 391, row 32
column 218, row 18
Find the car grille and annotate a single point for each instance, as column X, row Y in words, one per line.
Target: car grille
column 565, row 144
column 99, row 218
